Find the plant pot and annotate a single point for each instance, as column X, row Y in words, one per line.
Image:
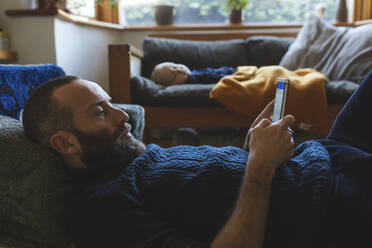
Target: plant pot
column 164, row 14
column 236, row 16
column 341, row 11
column 52, row 4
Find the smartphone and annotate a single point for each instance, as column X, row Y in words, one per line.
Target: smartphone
column 282, row 86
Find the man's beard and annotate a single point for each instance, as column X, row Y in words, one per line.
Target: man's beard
column 101, row 150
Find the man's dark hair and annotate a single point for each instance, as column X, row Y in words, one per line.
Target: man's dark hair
column 43, row 115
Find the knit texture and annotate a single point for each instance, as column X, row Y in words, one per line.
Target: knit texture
column 18, row 81
column 182, row 196
column 210, row 75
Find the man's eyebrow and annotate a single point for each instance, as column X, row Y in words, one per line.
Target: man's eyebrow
column 99, row 103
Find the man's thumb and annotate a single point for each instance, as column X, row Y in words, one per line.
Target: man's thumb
column 287, row 120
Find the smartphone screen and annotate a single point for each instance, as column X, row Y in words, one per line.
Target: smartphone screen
column 280, row 98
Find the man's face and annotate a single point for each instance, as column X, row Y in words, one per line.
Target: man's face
column 102, row 130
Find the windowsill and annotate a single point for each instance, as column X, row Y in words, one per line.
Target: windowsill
column 178, row 27
column 32, row 12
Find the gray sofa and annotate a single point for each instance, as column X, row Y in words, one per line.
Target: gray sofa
column 255, row 50
column 343, row 54
column 35, row 190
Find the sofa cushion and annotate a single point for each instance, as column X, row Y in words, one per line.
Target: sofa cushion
column 35, row 189
column 193, row 54
column 338, row 52
column 147, row 93
column 267, row 50
column 17, row 81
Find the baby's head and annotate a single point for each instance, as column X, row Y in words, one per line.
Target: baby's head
column 169, row 73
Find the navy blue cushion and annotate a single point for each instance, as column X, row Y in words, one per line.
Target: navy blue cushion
column 18, row 81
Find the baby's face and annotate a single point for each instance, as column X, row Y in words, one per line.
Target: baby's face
column 171, row 73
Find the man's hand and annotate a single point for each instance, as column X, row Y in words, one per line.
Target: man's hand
column 271, row 144
column 265, row 114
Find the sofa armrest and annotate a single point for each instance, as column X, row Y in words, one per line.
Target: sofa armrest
column 124, row 63
column 136, row 118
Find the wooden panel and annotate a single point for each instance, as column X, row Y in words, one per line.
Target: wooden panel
column 87, row 21
column 194, row 117
column 219, row 36
column 367, row 9
column 216, row 27
column 362, row 10
column 119, row 73
column 135, row 51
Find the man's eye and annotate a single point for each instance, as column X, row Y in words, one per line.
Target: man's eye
column 100, row 111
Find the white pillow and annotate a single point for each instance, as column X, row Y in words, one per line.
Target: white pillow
column 338, row 52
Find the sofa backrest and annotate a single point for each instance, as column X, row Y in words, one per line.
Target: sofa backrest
column 35, row 192
column 193, row 54
column 267, row 50
column 255, row 50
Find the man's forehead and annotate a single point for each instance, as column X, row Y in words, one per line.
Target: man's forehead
column 80, row 93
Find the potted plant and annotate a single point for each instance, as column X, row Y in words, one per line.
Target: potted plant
column 107, row 11
column 111, row 3
column 236, row 8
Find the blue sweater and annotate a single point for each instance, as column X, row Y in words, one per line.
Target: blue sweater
column 182, row 196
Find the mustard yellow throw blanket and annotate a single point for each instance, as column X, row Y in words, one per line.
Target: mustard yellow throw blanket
column 250, row 89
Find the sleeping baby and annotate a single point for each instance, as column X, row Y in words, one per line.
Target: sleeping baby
column 169, row 73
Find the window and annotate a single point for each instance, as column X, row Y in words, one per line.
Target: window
column 81, row 7
column 140, row 12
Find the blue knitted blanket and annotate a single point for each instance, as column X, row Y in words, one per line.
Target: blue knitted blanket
column 182, row 196
column 18, row 81
column 300, row 192
column 210, row 75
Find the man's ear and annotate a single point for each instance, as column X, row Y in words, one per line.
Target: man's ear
column 65, row 143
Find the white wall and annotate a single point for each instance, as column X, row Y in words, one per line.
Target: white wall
column 82, row 50
column 31, row 37
column 133, row 37
column 5, row 5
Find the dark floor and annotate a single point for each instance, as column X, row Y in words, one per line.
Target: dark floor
column 166, row 137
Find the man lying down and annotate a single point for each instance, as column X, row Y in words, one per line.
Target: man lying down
column 268, row 194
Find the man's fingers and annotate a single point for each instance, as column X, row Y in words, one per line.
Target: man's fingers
column 264, row 123
column 268, row 110
column 286, row 121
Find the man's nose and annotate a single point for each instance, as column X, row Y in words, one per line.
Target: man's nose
column 121, row 116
